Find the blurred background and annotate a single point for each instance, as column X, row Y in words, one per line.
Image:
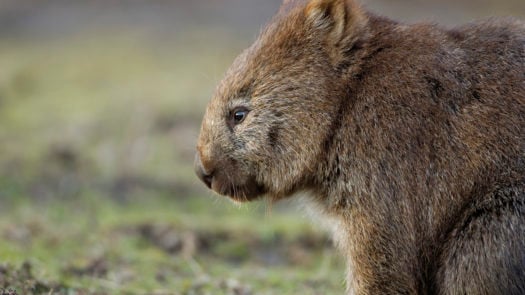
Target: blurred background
column 100, row 107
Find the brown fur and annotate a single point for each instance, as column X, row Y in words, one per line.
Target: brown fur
column 411, row 138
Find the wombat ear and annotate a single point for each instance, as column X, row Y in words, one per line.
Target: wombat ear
column 344, row 19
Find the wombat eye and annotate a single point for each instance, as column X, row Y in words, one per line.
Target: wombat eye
column 239, row 115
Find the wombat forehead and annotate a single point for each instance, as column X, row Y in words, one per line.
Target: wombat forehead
column 265, row 63
column 234, row 87
column 251, row 78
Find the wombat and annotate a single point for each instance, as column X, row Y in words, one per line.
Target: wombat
column 409, row 139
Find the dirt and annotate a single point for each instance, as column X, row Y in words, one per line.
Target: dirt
column 236, row 247
column 232, row 247
column 20, row 280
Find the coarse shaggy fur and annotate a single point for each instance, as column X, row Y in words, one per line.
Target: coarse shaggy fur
column 410, row 138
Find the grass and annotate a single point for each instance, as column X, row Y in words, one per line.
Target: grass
column 159, row 246
column 97, row 193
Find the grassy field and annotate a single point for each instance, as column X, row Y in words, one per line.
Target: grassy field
column 97, row 193
column 163, row 246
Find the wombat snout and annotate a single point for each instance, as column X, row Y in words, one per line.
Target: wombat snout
column 203, row 175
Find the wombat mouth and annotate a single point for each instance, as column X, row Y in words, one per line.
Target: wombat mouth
column 249, row 191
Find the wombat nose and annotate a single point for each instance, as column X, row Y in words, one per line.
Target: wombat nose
column 207, row 178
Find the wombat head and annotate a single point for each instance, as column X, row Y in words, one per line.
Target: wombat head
column 265, row 129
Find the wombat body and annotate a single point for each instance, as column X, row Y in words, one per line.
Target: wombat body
column 409, row 138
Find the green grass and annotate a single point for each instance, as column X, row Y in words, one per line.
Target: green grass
column 65, row 242
column 97, row 193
